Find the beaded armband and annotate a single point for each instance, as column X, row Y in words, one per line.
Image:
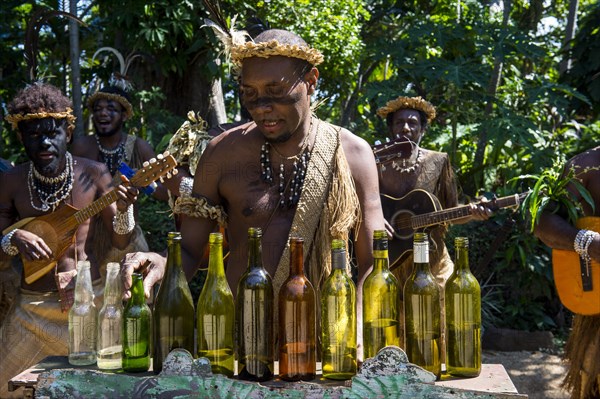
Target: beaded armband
column 582, row 242
column 7, row 246
column 200, row 208
column 124, row 222
column 185, row 187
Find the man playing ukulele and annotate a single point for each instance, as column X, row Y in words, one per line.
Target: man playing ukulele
column 44, row 122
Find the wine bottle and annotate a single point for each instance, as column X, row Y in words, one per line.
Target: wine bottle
column 463, row 316
column 297, row 323
column 83, row 319
column 255, row 316
column 216, row 313
column 137, row 329
column 338, row 318
column 173, row 308
column 422, row 311
column 380, row 301
column 110, row 321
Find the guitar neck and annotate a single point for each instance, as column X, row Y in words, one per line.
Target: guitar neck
column 459, row 212
column 96, row 207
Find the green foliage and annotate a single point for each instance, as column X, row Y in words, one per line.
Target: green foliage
column 156, row 222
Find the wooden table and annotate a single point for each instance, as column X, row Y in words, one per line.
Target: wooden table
column 493, row 382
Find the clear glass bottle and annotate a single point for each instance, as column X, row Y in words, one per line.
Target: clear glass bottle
column 215, row 313
column 83, row 319
column 255, row 316
column 380, row 301
column 110, row 321
column 338, row 318
column 173, row 308
column 422, row 311
column 297, row 321
column 463, row 316
column 137, row 329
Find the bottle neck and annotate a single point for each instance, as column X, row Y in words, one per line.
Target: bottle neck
column 83, row 286
column 461, row 262
column 338, row 259
column 137, row 291
column 296, row 259
column 381, row 259
column 216, row 268
column 421, row 256
column 254, row 253
column 113, row 290
column 173, row 259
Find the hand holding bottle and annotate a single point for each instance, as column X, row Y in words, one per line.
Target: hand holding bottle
column 150, row 264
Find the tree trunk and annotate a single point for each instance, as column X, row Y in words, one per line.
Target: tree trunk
column 75, row 70
column 565, row 63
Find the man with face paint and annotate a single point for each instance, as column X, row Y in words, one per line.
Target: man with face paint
column 413, row 167
column 287, row 172
column 44, row 122
column 111, row 145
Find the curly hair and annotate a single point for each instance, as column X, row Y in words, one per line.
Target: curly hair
column 37, row 98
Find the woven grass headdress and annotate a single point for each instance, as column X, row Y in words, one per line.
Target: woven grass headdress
column 402, row 102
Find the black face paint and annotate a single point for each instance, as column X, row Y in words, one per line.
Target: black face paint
column 45, row 141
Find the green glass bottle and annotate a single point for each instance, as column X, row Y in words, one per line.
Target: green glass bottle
column 173, row 308
column 137, row 329
column 110, row 321
column 297, row 321
column 338, row 318
column 422, row 311
column 463, row 316
column 380, row 301
column 255, row 316
column 215, row 313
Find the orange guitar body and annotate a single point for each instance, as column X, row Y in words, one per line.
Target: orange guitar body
column 567, row 270
column 58, row 229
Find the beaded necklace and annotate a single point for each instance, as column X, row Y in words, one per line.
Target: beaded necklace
column 112, row 158
column 50, row 191
column 296, row 182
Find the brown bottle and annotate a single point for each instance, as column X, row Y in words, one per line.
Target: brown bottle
column 297, row 328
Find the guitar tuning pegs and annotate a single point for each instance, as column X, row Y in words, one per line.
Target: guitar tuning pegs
column 159, row 157
column 175, row 171
column 153, row 160
column 169, row 175
column 146, row 164
column 162, row 180
column 166, row 154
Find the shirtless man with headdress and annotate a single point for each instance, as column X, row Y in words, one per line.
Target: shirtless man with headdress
column 583, row 346
column 112, row 145
column 44, row 122
column 245, row 175
column 413, row 167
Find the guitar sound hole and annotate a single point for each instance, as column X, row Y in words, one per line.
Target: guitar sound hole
column 401, row 222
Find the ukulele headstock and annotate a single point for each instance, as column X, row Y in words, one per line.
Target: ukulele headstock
column 159, row 168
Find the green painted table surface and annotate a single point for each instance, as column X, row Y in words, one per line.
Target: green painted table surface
column 386, row 377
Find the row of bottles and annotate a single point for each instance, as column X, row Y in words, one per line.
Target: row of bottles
column 422, row 311
column 125, row 335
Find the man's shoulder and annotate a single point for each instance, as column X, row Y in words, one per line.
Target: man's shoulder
column 588, row 158
column 90, row 166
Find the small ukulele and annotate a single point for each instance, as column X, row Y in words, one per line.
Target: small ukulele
column 578, row 283
column 418, row 209
column 59, row 227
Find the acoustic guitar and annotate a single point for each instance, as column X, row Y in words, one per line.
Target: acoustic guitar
column 577, row 283
column 59, row 227
column 418, row 210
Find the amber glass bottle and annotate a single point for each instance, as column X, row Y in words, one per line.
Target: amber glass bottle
column 215, row 313
column 297, row 328
column 173, row 308
column 422, row 311
column 463, row 316
column 137, row 329
column 338, row 318
column 255, row 316
column 380, row 301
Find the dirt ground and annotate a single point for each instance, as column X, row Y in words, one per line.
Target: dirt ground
column 537, row 374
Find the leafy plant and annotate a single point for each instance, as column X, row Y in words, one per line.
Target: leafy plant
column 551, row 192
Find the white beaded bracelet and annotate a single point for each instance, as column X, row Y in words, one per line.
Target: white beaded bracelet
column 583, row 240
column 124, row 222
column 7, row 246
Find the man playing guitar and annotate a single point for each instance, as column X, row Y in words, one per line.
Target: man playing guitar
column 404, row 166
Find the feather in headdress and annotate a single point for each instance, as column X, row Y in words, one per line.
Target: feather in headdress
column 119, row 79
column 35, row 23
column 225, row 33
